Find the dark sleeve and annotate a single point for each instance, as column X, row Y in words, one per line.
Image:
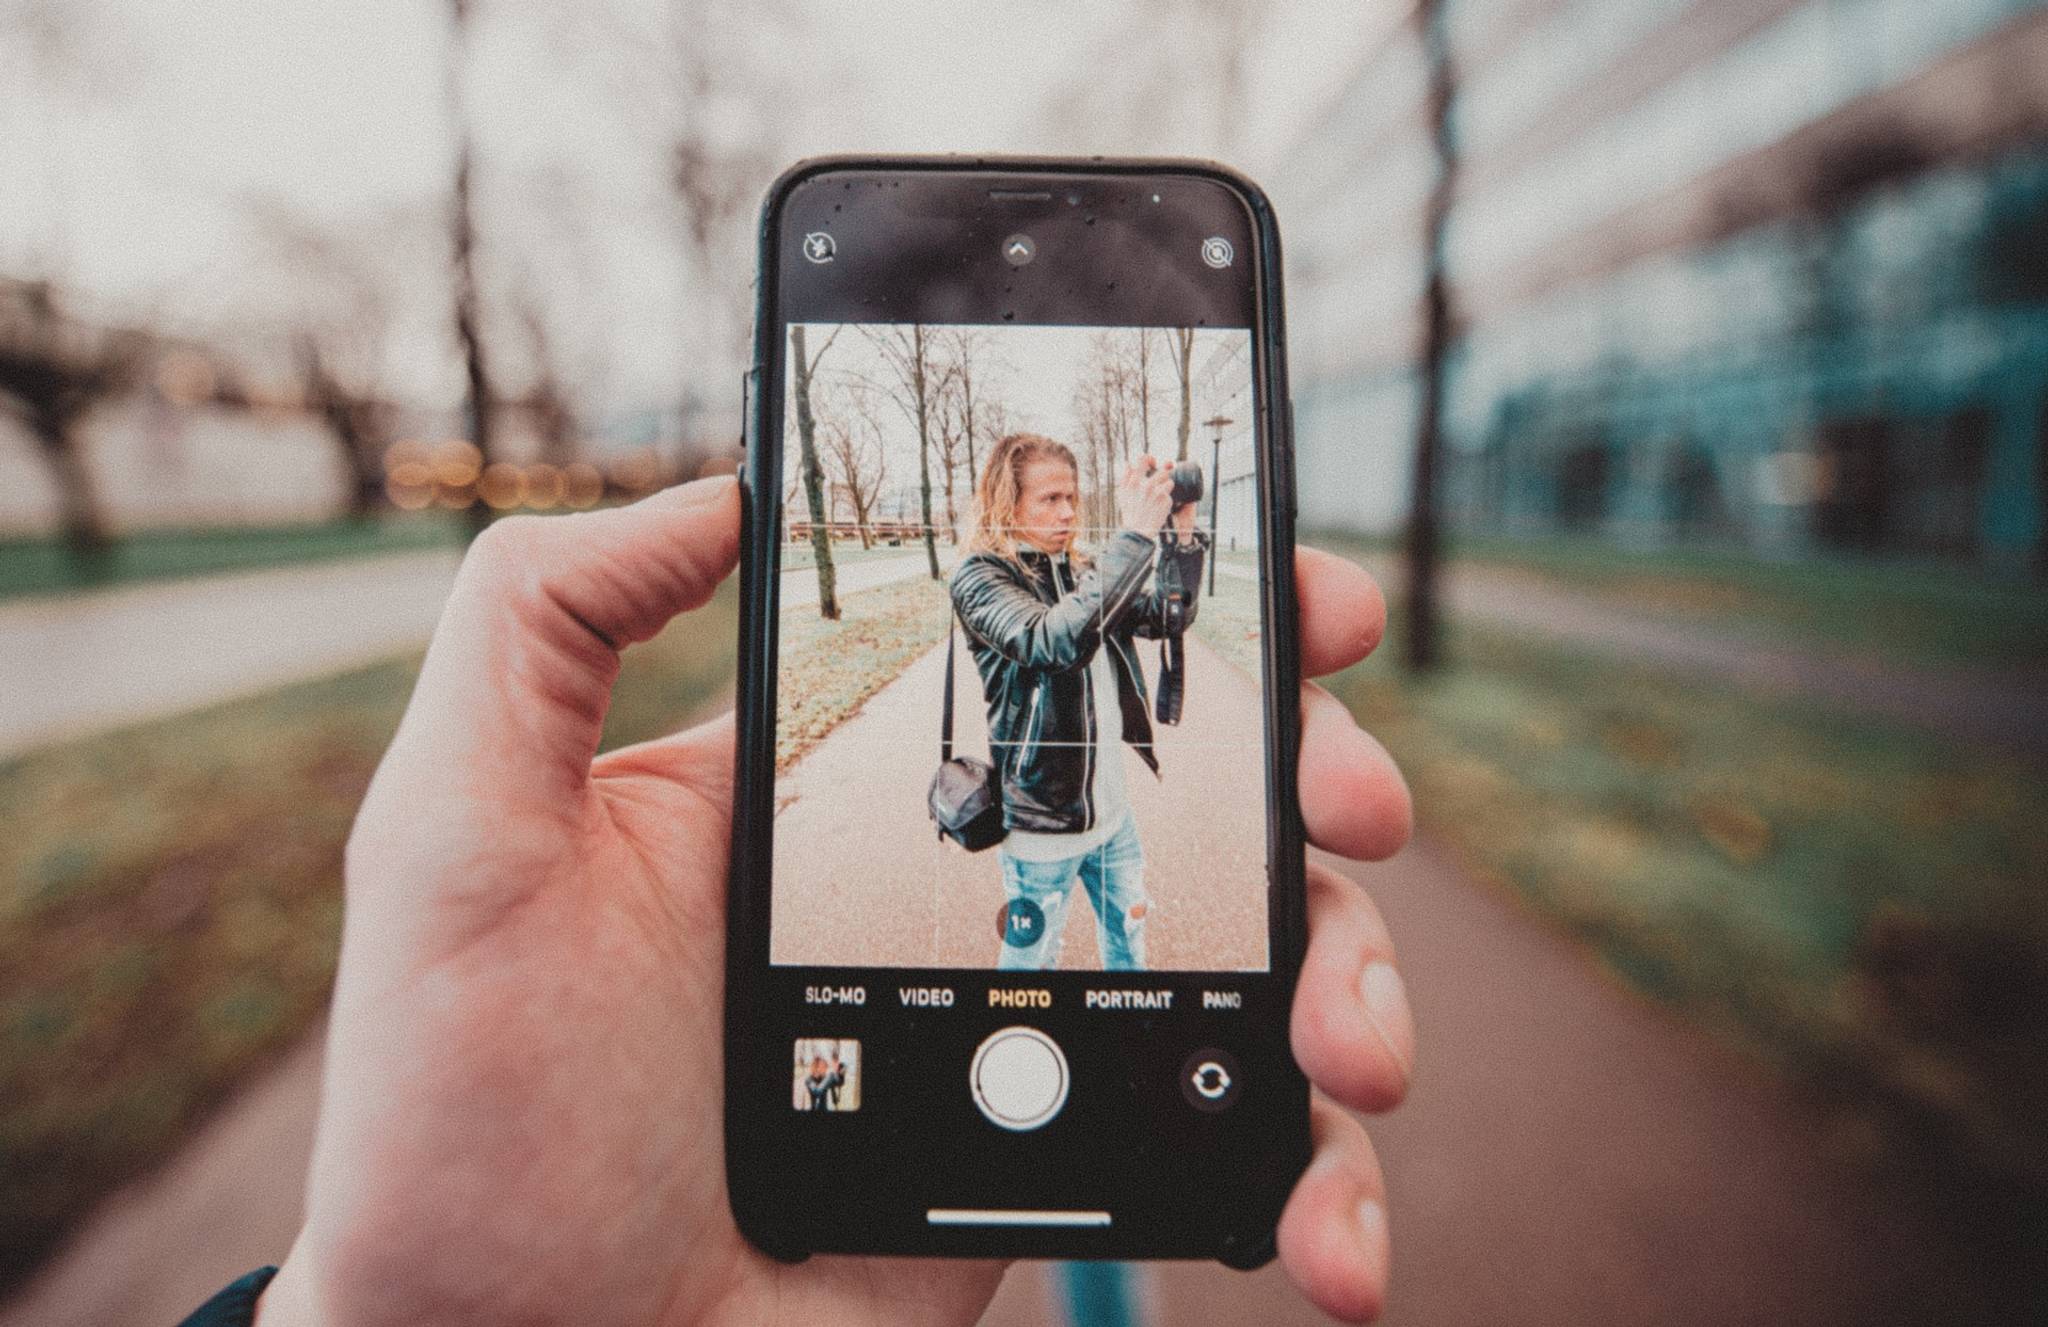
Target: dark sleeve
column 1020, row 626
column 1169, row 609
column 235, row 1306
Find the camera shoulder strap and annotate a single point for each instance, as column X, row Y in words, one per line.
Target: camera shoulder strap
column 946, row 717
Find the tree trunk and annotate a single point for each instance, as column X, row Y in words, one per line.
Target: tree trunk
column 814, row 476
column 84, row 526
column 924, row 444
column 1145, row 388
column 360, row 453
column 1184, row 347
column 1425, row 651
column 469, row 324
column 967, row 420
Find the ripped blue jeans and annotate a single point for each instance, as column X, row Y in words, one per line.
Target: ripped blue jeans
column 1040, row 892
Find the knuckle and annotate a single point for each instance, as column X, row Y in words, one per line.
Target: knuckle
column 507, row 549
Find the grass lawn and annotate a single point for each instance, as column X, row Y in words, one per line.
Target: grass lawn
column 829, row 669
column 1914, row 612
column 1857, row 903
column 172, row 903
column 1228, row 620
column 41, row 566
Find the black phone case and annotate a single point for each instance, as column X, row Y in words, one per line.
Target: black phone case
column 754, row 1183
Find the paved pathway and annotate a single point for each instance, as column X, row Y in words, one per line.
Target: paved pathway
column 83, row 663
column 800, row 584
column 896, row 895
column 86, row 662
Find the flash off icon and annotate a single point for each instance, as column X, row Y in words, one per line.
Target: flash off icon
column 818, row 247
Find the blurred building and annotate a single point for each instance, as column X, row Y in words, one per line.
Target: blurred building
column 1770, row 273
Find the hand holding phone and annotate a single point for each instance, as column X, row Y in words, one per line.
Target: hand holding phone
column 523, row 1058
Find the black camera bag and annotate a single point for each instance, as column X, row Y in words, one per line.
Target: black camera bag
column 966, row 797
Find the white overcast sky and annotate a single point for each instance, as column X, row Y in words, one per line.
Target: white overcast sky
column 1031, row 372
column 133, row 169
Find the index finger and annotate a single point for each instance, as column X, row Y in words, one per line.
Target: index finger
column 1343, row 613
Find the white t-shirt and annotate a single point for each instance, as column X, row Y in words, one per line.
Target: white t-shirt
column 1106, row 786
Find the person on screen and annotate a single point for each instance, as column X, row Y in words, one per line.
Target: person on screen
column 823, row 1083
column 1050, row 629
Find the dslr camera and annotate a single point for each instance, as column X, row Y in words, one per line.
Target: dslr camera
column 1187, row 481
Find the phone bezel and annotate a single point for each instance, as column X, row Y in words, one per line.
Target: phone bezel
column 754, row 1182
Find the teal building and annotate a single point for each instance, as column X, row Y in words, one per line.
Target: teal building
column 1758, row 273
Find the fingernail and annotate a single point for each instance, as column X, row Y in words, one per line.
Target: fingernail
column 1372, row 1234
column 1386, row 1003
column 1372, row 1220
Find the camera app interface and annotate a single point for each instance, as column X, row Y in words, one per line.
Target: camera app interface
column 1051, row 535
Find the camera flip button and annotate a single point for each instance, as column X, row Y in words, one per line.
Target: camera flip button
column 1209, row 1079
column 1019, row 1078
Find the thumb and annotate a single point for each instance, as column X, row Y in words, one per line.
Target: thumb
column 511, row 700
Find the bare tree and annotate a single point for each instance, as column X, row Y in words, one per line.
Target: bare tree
column 547, row 403
column 53, row 373
column 721, row 147
column 703, row 88
column 805, row 367
column 341, row 327
column 1424, row 648
column 468, row 300
column 970, row 357
column 1144, row 371
column 357, row 420
column 1182, row 343
column 851, row 441
column 913, row 381
column 954, row 420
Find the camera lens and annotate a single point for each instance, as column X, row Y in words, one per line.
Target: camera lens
column 1073, row 200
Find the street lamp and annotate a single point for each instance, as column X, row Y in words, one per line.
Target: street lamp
column 1218, row 423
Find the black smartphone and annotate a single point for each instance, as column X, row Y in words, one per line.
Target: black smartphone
column 1017, row 902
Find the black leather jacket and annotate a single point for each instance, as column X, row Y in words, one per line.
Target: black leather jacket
column 1033, row 632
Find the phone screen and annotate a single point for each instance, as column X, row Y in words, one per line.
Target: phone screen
column 1015, row 918
column 1109, row 675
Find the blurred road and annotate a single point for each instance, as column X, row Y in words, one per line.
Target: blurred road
column 1570, row 1155
column 86, row 662
column 83, row 663
column 2003, row 710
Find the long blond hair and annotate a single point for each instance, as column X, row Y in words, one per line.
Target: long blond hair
column 1000, row 487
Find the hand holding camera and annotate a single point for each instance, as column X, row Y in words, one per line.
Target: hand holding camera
column 1151, row 490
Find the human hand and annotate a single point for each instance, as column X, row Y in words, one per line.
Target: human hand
column 521, row 1118
column 1144, row 498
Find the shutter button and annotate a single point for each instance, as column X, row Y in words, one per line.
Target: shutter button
column 1019, row 1078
